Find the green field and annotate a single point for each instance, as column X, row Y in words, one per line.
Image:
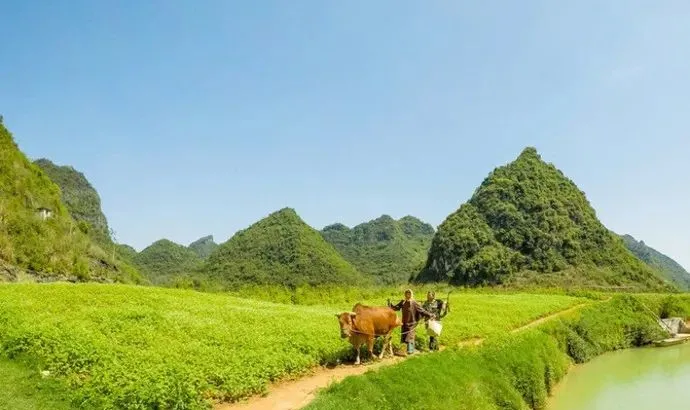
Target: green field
column 23, row 389
column 115, row 345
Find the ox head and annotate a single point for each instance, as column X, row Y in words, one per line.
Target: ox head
column 347, row 322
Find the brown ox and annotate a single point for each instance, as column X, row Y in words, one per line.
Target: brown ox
column 365, row 323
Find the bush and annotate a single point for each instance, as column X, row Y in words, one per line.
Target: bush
column 672, row 307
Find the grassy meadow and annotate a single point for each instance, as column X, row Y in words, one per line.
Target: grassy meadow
column 24, row 389
column 116, row 346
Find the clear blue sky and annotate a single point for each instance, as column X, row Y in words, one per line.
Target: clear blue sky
column 195, row 118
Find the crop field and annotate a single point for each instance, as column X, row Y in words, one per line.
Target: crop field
column 119, row 346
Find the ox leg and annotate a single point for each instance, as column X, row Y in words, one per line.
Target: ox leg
column 357, row 348
column 370, row 347
column 386, row 341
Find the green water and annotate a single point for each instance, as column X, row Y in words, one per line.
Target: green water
column 635, row 379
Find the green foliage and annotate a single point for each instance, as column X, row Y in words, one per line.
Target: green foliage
column 50, row 248
column 80, row 198
column 280, row 249
column 126, row 252
column 203, row 247
column 390, row 251
column 666, row 306
column 528, row 216
column 507, row 372
column 122, row 346
column 163, row 260
column 669, row 268
column 23, row 388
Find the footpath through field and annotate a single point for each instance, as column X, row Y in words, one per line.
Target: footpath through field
column 296, row 394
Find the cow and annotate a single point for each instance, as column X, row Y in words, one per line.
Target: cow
column 365, row 323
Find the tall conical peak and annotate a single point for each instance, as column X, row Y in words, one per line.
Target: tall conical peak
column 285, row 212
column 529, row 153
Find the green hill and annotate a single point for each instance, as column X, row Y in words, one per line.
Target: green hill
column 527, row 217
column 126, row 252
column 203, row 247
column 657, row 260
column 164, row 260
column 80, row 197
column 390, row 251
column 37, row 234
column 280, row 249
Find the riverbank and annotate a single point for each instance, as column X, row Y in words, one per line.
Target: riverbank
column 509, row 372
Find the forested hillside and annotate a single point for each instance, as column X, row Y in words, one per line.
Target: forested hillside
column 37, row 234
column 204, row 246
column 657, row 260
column 164, row 260
column 527, row 216
column 389, row 251
column 80, row 197
column 280, row 249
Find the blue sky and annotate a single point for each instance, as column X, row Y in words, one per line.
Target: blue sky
column 195, row 118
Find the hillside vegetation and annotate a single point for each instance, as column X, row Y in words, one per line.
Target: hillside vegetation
column 527, row 216
column 119, row 346
column 388, row 250
column 203, row 247
column 280, row 249
column 126, row 252
column 657, row 260
column 47, row 248
column 163, row 260
column 80, row 198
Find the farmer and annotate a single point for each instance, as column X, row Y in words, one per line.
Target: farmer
column 411, row 311
column 439, row 309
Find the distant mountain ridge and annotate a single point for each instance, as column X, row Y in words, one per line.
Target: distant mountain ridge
column 389, row 251
column 280, row 249
column 528, row 218
column 671, row 269
column 164, row 260
column 204, row 246
column 526, row 221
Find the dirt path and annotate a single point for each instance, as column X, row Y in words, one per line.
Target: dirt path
column 298, row 393
column 291, row 395
column 539, row 321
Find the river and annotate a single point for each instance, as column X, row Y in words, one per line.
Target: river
column 632, row 379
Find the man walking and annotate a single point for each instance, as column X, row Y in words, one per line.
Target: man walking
column 411, row 312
